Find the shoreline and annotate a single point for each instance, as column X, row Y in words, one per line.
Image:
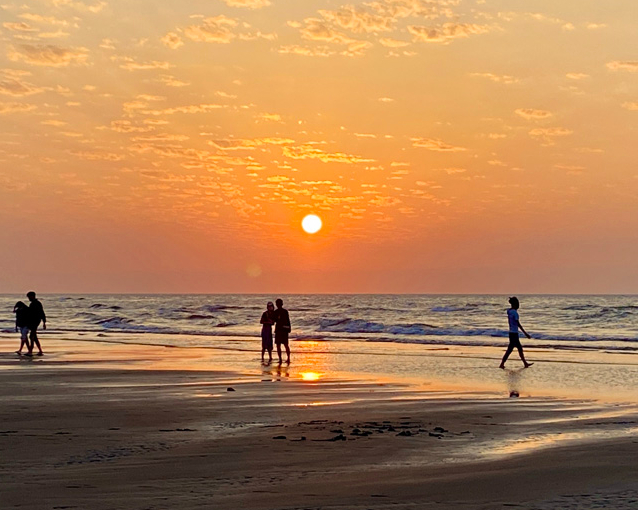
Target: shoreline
column 593, row 375
column 129, row 428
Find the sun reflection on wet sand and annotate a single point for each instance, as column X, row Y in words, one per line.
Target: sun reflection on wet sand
column 310, row 376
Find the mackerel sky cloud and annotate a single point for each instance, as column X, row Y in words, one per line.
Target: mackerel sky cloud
column 221, row 123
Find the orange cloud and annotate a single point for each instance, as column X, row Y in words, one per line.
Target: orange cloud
column 306, row 51
column 217, row 29
column 503, row 78
column 6, row 108
column 172, row 40
column 19, row 27
column 393, row 43
column 38, row 18
column 435, row 145
column 532, row 114
column 446, row 32
column 627, row 65
column 358, row 20
column 577, row 76
column 48, row 55
column 319, row 30
column 249, row 4
column 547, row 135
column 311, row 152
column 80, row 6
column 14, row 86
column 131, row 64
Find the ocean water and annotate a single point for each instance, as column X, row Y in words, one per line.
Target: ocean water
column 602, row 323
column 583, row 347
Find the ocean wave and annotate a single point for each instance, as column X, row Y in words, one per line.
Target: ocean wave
column 108, row 307
column 196, row 316
column 442, row 337
column 219, row 308
column 411, row 329
column 335, row 329
column 485, row 343
column 350, row 326
column 468, row 307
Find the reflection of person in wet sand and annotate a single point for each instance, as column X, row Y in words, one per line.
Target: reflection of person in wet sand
column 282, row 329
column 515, row 325
column 514, row 381
column 267, row 320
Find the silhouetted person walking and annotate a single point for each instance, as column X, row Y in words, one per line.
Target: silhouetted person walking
column 36, row 316
column 515, row 325
column 22, row 324
column 282, row 329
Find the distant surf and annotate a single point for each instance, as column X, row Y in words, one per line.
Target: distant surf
column 556, row 322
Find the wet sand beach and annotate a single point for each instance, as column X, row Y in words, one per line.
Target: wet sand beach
column 108, row 426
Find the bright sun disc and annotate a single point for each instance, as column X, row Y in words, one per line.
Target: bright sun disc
column 311, row 224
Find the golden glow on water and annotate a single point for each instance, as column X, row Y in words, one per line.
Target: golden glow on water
column 310, row 376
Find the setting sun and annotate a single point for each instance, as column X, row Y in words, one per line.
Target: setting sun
column 311, row 224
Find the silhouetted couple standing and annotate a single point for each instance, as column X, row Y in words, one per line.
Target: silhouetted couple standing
column 281, row 320
column 28, row 319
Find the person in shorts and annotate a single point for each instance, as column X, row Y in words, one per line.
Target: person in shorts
column 514, row 326
column 22, row 324
column 282, row 329
column 36, row 316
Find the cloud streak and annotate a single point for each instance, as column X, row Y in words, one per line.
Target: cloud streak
column 218, row 29
column 532, row 114
column 312, row 152
column 48, row 55
column 623, row 65
column 446, row 32
column 247, row 4
column 434, row 144
column 497, row 78
column 547, row 136
column 13, row 85
column 7, row 108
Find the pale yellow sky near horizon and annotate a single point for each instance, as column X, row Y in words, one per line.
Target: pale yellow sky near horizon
column 448, row 145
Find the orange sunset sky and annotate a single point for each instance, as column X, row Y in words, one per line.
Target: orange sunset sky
column 448, row 145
